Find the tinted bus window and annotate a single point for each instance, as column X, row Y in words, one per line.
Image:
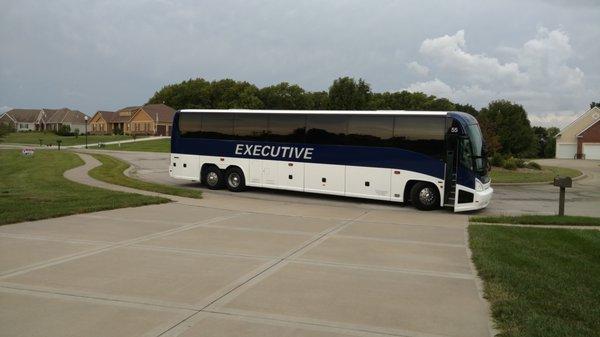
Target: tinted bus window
column 424, row 134
column 287, row 128
column 369, row 130
column 190, row 124
column 251, row 126
column 326, row 129
column 215, row 125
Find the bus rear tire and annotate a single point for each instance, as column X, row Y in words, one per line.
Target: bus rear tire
column 213, row 178
column 425, row 196
column 234, row 179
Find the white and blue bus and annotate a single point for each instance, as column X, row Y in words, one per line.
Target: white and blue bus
column 432, row 159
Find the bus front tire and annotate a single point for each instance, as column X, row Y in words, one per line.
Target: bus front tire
column 425, row 196
column 234, row 179
column 213, row 178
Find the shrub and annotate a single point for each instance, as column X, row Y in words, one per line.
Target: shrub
column 497, row 160
column 519, row 162
column 510, row 164
column 64, row 130
column 534, row 166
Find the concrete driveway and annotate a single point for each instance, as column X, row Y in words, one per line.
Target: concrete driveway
column 229, row 265
column 582, row 199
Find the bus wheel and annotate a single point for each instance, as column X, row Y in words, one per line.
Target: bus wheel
column 213, row 178
column 425, row 196
column 234, row 179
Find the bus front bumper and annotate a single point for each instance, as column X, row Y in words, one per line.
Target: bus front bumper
column 481, row 199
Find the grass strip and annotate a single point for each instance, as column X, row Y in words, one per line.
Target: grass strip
column 157, row 145
column 554, row 220
column 540, row 281
column 111, row 171
column 33, row 188
column 546, row 174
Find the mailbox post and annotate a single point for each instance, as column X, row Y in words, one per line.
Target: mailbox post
column 563, row 183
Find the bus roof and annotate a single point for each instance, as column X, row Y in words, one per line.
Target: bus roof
column 329, row 112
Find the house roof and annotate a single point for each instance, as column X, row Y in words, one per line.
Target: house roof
column 590, row 111
column 24, row 115
column 160, row 112
column 106, row 115
column 63, row 115
column 124, row 114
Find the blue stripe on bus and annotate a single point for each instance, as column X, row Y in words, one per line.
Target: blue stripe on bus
column 392, row 158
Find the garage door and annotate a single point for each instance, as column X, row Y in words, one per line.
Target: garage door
column 566, row 151
column 591, row 151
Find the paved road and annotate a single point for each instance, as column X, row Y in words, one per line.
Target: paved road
column 582, row 199
column 232, row 265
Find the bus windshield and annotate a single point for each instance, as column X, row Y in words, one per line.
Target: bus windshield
column 477, row 148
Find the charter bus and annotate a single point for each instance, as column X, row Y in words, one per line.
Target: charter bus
column 431, row 159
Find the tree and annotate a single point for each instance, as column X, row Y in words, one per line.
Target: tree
column 594, row 104
column 5, row 129
column 508, row 121
column 318, row 100
column 347, row 94
column 550, row 149
column 230, row 94
column 284, row 96
column 190, row 94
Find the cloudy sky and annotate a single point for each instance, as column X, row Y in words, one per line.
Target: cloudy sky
column 103, row 55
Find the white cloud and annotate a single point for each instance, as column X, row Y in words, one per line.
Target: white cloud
column 417, row 68
column 537, row 74
column 558, row 118
column 448, row 52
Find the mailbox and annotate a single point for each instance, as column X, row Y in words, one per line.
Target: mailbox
column 563, row 181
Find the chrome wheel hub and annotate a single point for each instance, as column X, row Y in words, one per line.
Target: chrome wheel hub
column 427, row 196
column 212, row 179
column 234, row 180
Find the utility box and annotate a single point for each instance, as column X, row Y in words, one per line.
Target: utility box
column 563, row 181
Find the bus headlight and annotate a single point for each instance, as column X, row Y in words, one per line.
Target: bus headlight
column 478, row 185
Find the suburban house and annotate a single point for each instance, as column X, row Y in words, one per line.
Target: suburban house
column 100, row 123
column 22, row 119
column 55, row 119
column 44, row 119
column 150, row 119
column 581, row 138
column 154, row 119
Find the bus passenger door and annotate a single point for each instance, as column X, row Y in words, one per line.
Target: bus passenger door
column 451, row 175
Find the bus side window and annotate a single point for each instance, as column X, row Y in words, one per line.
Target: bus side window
column 286, row 128
column 190, row 124
column 423, row 134
column 369, row 130
column 217, row 126
column 326, row 129
column 251, row 126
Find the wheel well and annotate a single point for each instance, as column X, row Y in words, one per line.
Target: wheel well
column 203, row 170
column 409, row 185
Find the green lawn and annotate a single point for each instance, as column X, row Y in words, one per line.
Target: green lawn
column 540, row 281
column 565, row 220
column 49, row 138
column 547, row 174
column 158, row 145
column 34, row 188
column 111, row 171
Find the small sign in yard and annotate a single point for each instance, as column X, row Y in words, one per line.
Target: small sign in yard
column 27, row 151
